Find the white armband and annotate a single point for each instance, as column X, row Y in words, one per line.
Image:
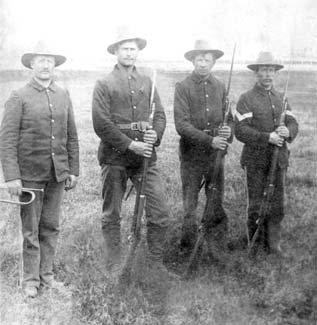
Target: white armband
column 242, row 117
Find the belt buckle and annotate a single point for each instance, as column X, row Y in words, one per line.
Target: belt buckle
column 134, row 126
column 207, row 131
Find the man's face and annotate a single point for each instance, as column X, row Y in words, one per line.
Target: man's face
column 203, row 63
column 43, row 67
column 265, row 76
column 127, row 53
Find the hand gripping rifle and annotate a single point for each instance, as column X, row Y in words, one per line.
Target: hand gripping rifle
column 269, row 189
column 212, row 188
column 125, row 276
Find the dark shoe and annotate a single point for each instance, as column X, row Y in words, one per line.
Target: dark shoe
column 30, row 292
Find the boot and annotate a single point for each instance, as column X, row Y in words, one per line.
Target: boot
column 155, row 240
column 274, row 237
column 113, row 248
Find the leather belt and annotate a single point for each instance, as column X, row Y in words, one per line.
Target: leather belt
column 134, row 126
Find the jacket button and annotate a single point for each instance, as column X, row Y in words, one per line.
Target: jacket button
column 53, row 154
column 53, row 137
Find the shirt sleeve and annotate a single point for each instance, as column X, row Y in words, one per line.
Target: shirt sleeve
column 106, row 130
column 182, row 120
column 72, row 142
column 9, row 137
column 244, row 131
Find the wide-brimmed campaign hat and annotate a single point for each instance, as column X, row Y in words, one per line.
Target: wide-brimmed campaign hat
column 42, row 49
column 126, row 34
column 202, row 46
column 265, row 59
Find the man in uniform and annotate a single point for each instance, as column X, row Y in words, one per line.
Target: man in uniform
column 120, row 112
column 199, row 112
column 39, row 149
column 258, row 116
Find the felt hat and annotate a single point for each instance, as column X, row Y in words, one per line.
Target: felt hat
column 41, row 49
column 265, row 59
column 201, row 46
column 126, row 34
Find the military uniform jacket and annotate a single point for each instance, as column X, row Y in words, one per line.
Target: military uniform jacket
column 123, row 99
column 38, row 134
column 198, row 105
column 258, row 114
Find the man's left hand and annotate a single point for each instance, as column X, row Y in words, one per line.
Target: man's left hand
column 150, row 136
column 70, row 182
column 283, row 132
column 225, row 132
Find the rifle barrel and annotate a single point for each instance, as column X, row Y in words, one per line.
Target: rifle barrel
column 231, row 69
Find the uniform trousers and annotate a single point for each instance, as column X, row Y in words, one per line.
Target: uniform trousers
column 40, row 229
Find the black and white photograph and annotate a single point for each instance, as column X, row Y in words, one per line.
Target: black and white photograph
column 158, row 162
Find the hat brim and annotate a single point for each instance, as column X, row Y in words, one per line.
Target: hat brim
column 254, row 67
column 190, row 55
column 141, row 42
column 28, row 57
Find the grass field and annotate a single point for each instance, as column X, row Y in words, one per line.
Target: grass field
column 265, row 291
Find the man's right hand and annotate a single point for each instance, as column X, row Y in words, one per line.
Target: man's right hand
column 276, row 139
column 14, row 187
column 141, row 148
column 219, row 143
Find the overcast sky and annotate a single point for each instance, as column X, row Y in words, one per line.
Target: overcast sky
column 82, row 29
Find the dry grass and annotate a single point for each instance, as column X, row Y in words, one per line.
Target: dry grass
column 241, row 291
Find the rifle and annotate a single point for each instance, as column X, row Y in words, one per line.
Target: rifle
column 125, row 276
column 269, row 189
column 211, row 188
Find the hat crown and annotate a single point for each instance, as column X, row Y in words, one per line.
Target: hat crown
column 125, row 33
column 41, row 47
column 265, row 58
column 201, row 44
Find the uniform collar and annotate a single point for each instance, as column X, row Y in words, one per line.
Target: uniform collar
column 198, row 79
column 33, row 83
column 120, row 71
column 263, row 91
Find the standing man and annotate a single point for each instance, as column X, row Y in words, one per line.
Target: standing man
column 39, row 149
column 199, row 105
column 258, row 115
column 120, row 112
